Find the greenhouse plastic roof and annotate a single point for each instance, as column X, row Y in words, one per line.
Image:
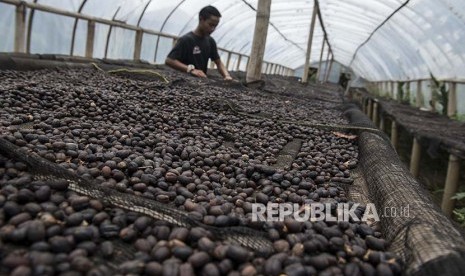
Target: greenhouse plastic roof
column 378, row 39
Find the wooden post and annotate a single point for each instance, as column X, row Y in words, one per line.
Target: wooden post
column 138, row 44
column 90, row 39
column 394, row 134
column 452, row 101
column 309, row 45
column 419, row 100
column 254, row 69
column 432, row 103
column 228, row 60
column 275, row 71
column 318, row 73
column 415, row 158
column 393, row 96
column 407, row 91
column 238, row 65
column 451, row 186
column 370, row 108
column 330, row 67
column 20, row 29
column 326, row 66
column 382, row 123
column 375, row 113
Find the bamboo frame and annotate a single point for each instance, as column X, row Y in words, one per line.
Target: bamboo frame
column 451, row 186
column 309, row 44
column 90, row 39
column 20, row 28
column 138, row 44
column 452, row 100
column 415, row 158
column 318, row 74
column 394, row 134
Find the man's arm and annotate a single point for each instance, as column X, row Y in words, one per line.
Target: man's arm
column 176, row 64
column 222, row 69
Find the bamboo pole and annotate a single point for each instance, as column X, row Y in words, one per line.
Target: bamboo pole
column 394, row 134
column 451, row 186
column 375, row 113
column 393, row 95
column 309, row 45
column 318, row 73
column 228, row 60
column 452, row 100
column 138, row 44
column 419, row 100
column 238, row 65
column 82, row 16
column 382, row 123
column 370, row 108
column 326, row 65
column 20, row 29
column 259, row 41
column 330, row 67
column 90, row 39
column 415, row 158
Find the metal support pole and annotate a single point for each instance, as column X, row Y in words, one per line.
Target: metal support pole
column 20, row 29
column 90, row 39
column 451, row 186
column 415, row 158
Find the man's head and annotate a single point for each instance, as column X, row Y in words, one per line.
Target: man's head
column 209, row 18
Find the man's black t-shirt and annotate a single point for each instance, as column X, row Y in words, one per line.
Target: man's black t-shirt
column 196, row 50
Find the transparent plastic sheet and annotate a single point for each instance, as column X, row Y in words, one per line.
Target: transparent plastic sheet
column 7, row 30
column 421, row 38
column 148, row 47
column 51, row 34
column 80, row 39
column 118, row 50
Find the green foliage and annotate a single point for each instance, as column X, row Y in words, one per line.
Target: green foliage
column 404, row 96
column 440, row 93
column 459, row 196
column 459, row 213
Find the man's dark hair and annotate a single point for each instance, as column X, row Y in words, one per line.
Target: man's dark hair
column 208, row 11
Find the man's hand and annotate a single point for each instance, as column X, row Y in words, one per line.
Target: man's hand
column 228, row 78
column 198, row 73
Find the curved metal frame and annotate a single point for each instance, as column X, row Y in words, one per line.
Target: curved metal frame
column 75, row 27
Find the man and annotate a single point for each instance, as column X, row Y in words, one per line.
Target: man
column 193, row 49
